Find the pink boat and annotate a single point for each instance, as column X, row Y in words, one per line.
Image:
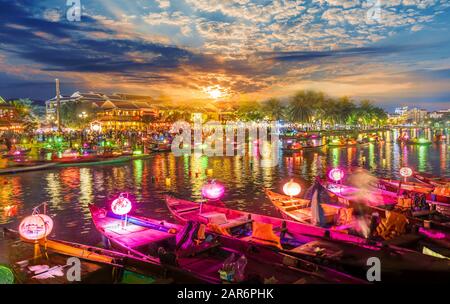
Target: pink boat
column 179, row 249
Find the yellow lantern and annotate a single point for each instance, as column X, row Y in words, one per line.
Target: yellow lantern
column 292, row 188
column 36, row 227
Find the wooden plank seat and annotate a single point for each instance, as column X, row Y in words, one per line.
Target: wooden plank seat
column 221, row 220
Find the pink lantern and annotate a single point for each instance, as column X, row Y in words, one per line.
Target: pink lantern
column 406, row 172
column 35, row 227
column 336, row 174
column 121, row 205
column 292, row 188
column 213, row 190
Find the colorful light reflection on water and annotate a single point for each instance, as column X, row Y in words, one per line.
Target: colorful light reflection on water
column 69, row 190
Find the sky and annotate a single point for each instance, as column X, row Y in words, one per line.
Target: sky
column 393, row 52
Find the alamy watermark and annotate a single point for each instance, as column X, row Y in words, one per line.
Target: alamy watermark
column 373, row 274
column 374, row 11
column 73, row 12
column 259, row 141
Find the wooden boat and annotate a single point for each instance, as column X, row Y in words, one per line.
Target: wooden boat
column 440, row 193
column 162, row 148
column 16, row 153
column 418, row 141
column 431, row 180
column 107, row 266
column 298, row 209
column 380, row 201
column 95, row 161
column 20, row 169
column 336, row 250
column 147, row 238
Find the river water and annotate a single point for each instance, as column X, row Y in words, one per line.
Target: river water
column 68, row 191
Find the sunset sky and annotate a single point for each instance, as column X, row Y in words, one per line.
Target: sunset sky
column 230, row 49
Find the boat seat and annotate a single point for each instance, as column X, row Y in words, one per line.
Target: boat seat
column 182, row 210
column 220, row 219
column 236, row 222
column 404, row 239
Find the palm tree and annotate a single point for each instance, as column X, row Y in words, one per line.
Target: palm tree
column 300, row 108
column 2, row 101
column 274, row 109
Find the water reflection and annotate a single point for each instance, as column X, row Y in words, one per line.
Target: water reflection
column 70, row 190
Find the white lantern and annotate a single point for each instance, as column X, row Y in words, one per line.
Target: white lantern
column 36, row 227
column 292, row 188
column 406, row 172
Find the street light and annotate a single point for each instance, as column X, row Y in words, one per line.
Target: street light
column 83, row 115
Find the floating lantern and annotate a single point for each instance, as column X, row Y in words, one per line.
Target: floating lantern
column 36, row 227
column 336, row 174
column 121, row 205
column 168, row 181
column 213, row 190
column 292, row 188
column 406, row 172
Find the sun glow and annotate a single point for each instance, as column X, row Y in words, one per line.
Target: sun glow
column 215, row 92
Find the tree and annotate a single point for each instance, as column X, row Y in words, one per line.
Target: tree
column 250, row 111
column 273, row 109
column 304, row 105
column 70, row 114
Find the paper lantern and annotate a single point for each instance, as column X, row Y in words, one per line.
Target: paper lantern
column 213, row 190
column 406, row 172
column 336, row 174
column 36, row 227
column 292, row 188
column 121, row 205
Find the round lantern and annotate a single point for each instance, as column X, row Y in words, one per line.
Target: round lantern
column 336, row 174
column 213, row 190
column 406, row 172
column 121, row 205
column 6, row 275
column 292, row 188
column 36, row 227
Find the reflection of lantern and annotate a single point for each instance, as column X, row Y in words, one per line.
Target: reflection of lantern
column 292, row 188
column 213, row 190
column 35, row 227
column 121, row 205
column 336, row 174
column 406, row 172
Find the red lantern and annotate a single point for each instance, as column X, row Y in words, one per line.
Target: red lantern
column 121, row 205
column 292, row 188
column 36, row 227
column 213, row 190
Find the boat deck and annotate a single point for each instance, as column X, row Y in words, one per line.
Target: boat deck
column 131, row 235
column 19, row 256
